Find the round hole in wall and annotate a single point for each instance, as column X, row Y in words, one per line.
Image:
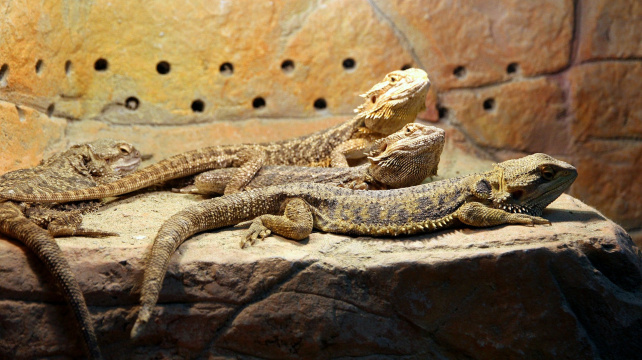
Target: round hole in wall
column 132, row 103
column 226, row 69
column 349, row 63
column 258, row 102
column 459, row 72
column 4, row 72
column 68, row 67
column 489, row 104
column 101, row 65
column 512, row 68
column 50, row 109
column 406, row 66
column 320, row 104
column 287, row 66
column 198, row 105
column 163, row 67
column 39, row 64
column 442, row 111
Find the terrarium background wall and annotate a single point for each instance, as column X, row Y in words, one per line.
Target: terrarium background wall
column 509, row 77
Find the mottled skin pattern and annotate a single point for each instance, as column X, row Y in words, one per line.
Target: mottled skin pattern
column 35, row 225
column 514, row 192
column 388, row 106
column 402, row 159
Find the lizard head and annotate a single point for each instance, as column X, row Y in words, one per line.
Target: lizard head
column 527, row 185
column 395, row 101
column 111, row 158
column 408, row 156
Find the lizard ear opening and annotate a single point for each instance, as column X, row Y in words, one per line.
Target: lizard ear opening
column 483, row 189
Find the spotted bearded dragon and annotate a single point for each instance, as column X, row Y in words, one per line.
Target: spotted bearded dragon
column 402, row 159
column 514, row 192
column 388, row 106
column 36, row 225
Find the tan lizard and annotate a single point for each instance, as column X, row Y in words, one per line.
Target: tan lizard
column 35, row 225
column 514, row 192
column 390, row 166
column 388, row 106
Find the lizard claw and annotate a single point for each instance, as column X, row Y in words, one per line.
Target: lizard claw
column 257, row 231
column 532, row 220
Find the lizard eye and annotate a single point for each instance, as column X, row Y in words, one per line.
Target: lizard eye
column 373, row 99
column 408, row 130
column 124, row 150
column 393, row 79
column 548, row 174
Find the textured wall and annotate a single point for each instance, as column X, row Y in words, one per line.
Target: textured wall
column 510, row 77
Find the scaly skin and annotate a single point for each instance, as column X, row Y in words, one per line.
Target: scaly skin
column 389, row 105
column 402, row 159
column 514, row 192
column 35, row 225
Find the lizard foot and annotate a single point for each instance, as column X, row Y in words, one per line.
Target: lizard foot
column 257, row 231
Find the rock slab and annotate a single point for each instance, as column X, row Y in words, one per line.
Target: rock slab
column 570, row 290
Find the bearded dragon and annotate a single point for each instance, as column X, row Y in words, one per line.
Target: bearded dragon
column 514, row 192
column 402, row 159
column 36, row 225
column 388, row 106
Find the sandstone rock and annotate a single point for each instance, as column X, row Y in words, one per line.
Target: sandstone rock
column 195, row 62
column 605, row 100
column 610, row 29
column 606, row 133
column 500, row 117
column 471, row 43
column 26, row 135
column 570, row 290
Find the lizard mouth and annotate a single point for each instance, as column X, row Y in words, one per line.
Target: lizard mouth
column 126, row 165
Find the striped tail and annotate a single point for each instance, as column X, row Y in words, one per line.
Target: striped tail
column 177, row 166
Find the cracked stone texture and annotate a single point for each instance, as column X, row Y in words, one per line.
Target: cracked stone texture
column 610, row 29
column 484, row 37
column 607, row 138
column 570, row 290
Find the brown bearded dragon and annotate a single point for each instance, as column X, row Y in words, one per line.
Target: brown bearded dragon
column 514, row 192
column 402, row 159
column 36, row 225
column 388, row 106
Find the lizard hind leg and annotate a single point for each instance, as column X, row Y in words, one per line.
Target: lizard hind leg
column 296, row 223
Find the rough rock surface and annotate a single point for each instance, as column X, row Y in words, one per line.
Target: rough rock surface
column 570, row 290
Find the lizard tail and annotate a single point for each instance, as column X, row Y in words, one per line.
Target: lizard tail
column 39, row 241
column 177, row 166
column 210, row 214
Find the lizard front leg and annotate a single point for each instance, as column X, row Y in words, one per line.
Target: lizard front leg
column 340, row 154
column 251, row 161
column 296, row 223
column 65, row 223
column 478, row 214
